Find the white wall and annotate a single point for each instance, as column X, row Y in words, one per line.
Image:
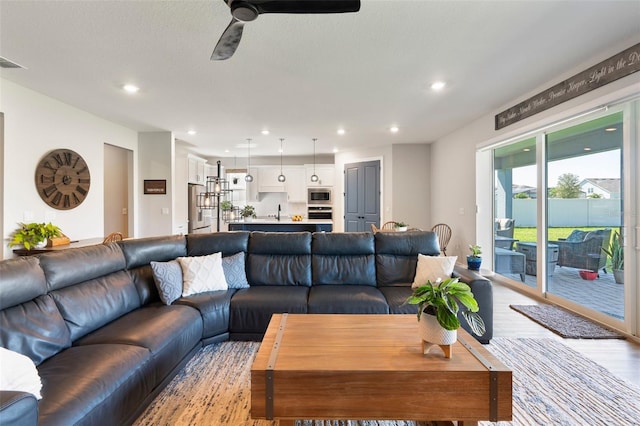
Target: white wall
column 34, row 125
column 454, row 196
column 156, row 153
column 411, row 185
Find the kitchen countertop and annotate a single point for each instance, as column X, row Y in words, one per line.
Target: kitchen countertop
column 287, row 220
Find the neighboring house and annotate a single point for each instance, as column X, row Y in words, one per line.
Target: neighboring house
column 605, row 187
column 520, row 189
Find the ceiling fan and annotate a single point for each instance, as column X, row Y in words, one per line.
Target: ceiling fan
column 248, row 10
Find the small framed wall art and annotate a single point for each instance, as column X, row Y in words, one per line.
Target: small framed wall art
column 155, row 186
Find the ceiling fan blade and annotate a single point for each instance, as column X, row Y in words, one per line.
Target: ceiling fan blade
column 306, row 6
column 229, row 41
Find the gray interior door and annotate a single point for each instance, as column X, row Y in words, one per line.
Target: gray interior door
column 362, row 196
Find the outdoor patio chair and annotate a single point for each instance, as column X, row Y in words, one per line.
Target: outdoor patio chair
column 504, row 227
column 583, row 249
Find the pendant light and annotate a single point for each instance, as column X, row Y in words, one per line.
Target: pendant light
column 248, row 177
column 281, row 177
column 314, row 176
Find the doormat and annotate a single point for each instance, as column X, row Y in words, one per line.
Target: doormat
column 565, row 323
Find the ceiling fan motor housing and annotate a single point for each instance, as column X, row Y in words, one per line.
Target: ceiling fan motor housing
column 243, row 11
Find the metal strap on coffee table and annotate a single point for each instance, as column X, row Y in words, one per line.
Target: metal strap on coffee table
column 493, row 379
column 271, row 365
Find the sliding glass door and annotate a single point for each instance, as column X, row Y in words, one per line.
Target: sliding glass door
column 559, row 195
column 584, row 199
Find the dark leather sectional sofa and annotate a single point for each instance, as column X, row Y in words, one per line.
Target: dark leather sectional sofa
column 104, row 344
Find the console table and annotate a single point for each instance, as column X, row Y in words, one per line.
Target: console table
column 74, row 244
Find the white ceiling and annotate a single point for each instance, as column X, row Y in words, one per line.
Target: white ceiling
column 303, row 76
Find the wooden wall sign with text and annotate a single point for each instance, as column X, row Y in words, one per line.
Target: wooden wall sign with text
column 155, row 186
column 612, row 69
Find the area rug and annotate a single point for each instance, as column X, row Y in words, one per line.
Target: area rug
column 565, row 323
column 552, row 385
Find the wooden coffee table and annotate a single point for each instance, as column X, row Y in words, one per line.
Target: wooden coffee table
column 372, row 367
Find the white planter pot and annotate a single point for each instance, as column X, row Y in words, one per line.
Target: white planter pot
column 618, row 276
column 401, row 228
column 431, row 331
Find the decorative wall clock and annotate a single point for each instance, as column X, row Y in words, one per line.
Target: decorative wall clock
column 63, row 179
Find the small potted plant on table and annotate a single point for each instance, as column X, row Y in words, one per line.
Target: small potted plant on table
column 438, row 312
column 401, row 226
column 474, row 260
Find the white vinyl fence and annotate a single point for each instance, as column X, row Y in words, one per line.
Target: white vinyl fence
column 571, row 212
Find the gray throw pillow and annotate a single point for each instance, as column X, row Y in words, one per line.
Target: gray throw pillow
column 234, row 271
column 168, row 279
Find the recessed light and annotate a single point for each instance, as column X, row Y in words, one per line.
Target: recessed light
column 265, row 132
column 341, row 131
column 226, row 150
column 131, row 88
column 192, row 132
column 438, row 85
column 610, row 129
column 335, row 150
column 586, row 148
column 394, row 129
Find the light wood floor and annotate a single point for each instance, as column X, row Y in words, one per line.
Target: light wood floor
column 621, row 357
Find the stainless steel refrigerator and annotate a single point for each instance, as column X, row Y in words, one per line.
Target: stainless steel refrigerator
column 199, row 219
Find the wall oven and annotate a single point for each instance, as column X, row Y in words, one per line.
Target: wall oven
column 319, row 196
column 320, row 212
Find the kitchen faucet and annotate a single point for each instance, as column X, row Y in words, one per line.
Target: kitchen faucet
column 279, row 208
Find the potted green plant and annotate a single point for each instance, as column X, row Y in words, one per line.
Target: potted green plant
column 615, row 251
column 226, row 205
column 439, row 302
column 31, row 235
column 474, row 260
column 401, row 226
column 248, row 212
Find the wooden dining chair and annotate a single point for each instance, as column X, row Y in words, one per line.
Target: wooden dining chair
column 112, row 238
column 374, row 228
column 443, row 231
column 389, row 226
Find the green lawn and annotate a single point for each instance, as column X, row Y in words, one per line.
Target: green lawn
column 529, row 234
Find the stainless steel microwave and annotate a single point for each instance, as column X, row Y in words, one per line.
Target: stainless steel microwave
column 319, row 196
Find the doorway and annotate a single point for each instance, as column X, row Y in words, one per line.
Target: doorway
column 118, row 163
column 362, row 196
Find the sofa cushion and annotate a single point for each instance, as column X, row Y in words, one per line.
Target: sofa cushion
column 396, row 297
column 42, row 336
column 433, row 269
column 343, row 258
column 202, row 273
column 397, row 255
column 235, row 271
column 92, row 304
column 22, row 280
column 168, row 279
column 227, row 243
column 214, row 309
column 251, row 308
column 279, row 258
column 168, row 332
column 352, row 299
column 141, row 251
column 94, row 384
column 68, row 267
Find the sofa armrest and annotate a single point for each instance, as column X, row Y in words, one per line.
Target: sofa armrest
column 18, row 408
column 482, row 290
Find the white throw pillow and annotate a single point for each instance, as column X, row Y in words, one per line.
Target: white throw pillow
column 432, row 268
column 202, row 273
column 19, row 373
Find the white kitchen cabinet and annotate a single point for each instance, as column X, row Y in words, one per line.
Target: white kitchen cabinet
column 196, row 170
column 295, row 185
column 326, row 174
column 252, row 187
column 268, row 179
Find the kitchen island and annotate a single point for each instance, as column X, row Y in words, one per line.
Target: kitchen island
column 283, row 225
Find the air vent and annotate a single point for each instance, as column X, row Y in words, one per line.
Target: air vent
column 5, row 63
